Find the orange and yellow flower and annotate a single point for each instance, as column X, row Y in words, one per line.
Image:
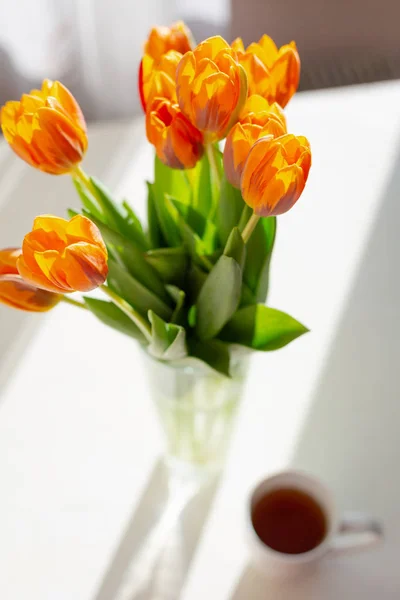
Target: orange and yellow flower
column 16, row 292
column 272, row 73
column 162, row 39
column 258, row 111
column 63, row 256
column 178, row 143
column 163, row 50
column 46, row 128
column 158, row 80
column 275, row 174
column 211, row 87
column 257, row 120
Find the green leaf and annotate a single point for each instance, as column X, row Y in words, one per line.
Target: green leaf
column 170, row 263
column 168, row 340
column 218, row 298
column 138, row 296
column 113, row 215
column 155, row 235
column 204, row 228
column 112, row 316
column 179, row 297
column 202, row 197
column 134, row 222
column 213, row 352
column 166, row 217
column 262, row 328
column 195, row 281
column 229, row 210
column 87, row 200
column 235, row 247
column 171, row 181
column 259, row 252
column 133, row 258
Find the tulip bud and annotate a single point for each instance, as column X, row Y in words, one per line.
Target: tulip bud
column 178, row 144
column 63, row 256
column 46, row 128
column 275, row 173
column 272, row 73
column 211, row 87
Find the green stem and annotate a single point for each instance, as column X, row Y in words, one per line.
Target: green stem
column 250, row 226
column 244, row 217
column 76, row 303
column 206, row 262
column 130, row 312
column 210, row 151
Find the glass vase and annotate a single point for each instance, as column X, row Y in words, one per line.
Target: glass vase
column 197, row 408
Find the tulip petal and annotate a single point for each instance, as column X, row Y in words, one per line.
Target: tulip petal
column 85, row 266
column 8, row 260
column 35, row 278
column 68, row 105
column 83, row 229
column 20, row 295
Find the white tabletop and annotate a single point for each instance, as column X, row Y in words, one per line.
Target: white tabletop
column 78, row 438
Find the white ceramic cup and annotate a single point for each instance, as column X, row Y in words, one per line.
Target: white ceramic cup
column 354, row 532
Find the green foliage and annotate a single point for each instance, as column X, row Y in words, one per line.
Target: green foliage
column 112, row 316
column 168, row 340
column 262, row 328
column 193, row 283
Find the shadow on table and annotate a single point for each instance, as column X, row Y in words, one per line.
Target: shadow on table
column 173, row 558
column 351, row 435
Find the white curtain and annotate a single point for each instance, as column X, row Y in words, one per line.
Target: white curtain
column 93, row 46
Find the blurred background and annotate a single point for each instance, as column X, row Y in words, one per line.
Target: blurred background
column 94, row 46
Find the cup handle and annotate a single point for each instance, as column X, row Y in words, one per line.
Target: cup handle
column 357, row 531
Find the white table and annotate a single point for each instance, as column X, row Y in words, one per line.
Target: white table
column 78, row 437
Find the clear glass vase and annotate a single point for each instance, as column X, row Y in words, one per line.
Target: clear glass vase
column 197, row 409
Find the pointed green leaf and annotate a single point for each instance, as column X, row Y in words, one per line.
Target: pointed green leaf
column 259, row 252
column 171, row 181
column 170, row 263
column 262, row 328
column 112, row 316
column 218, row 298
column 179, row 297
column 87, row 200
column 205, row 229
column 235, row 247
column 156, row 239
column 138, row 296
column 168, row 340
column 213, row 352
column 195, row 281
column 229, row 210
column 112, row 212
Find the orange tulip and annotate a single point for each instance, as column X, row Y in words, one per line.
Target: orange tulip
column 272, row 73
column 258, row 119
column 158, row 80
column 211, row 87
column 16, row 292
column 46, row 128
column 162, row 39
column 63, row 256
column 258, row 111
column 178, row 144
column 275, row 174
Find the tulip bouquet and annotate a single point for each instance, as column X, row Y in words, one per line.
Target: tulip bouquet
column 191, row 285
